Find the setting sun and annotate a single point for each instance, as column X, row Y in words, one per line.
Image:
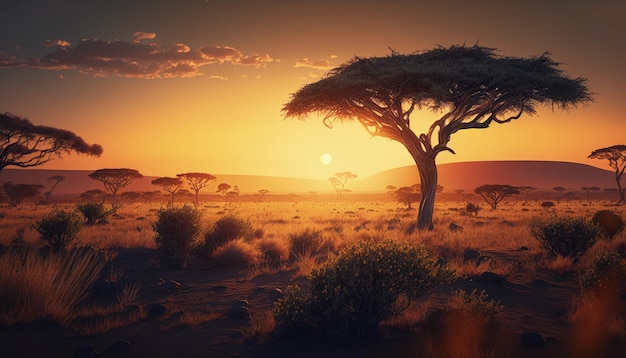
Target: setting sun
column 326, row 158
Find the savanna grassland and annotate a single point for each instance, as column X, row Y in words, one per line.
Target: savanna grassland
column 110, row 291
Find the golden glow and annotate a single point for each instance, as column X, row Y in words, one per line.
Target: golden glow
column 326, row 158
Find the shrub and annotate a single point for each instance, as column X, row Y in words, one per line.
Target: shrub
column 472, row 208
column 273, row 251
column 227, row 228
column 610, row 223
column 92, row 211
column 58, row 228
column 176, row 230
column 236, row 253
column 361, row 286
column 564, row 236
column 478, row 305
column 606, row 271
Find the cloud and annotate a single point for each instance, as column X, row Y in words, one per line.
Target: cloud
column 52, row 43
column 136, row 59
column 322, row 64
column 140, row 35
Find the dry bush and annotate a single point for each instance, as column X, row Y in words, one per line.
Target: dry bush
column 273, row 251
column 237, row 253
column 35, row 287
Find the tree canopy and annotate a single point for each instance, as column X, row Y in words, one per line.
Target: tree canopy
column 616, row 155
column 170, row 185
column 115, row 178
column 495, row 193
column 197, row 181
column 471, row 86
column 23, row 144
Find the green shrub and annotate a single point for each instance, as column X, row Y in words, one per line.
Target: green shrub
column 176, row 230
column 227, row 228
column 361, row 286
column 92, row 211
column 610, row 223
column 606, row 271
column 59, row 228
column 564, row 236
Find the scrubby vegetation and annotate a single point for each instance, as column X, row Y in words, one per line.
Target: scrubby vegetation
column 564, row 236
column 59, row 228
column 176, row 230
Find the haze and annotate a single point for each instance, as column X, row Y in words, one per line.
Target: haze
column 207, row 79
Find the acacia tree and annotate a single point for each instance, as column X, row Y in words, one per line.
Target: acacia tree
column 114, row 179
column 407, row 195
column 560, row 190
column 494, row 193
column 56, row 179
column 23, row 144
column 616, row 156
column 589, row 189
column 472, row 87
column 17, row 193
column 170, row 185
column 223, row 189
column 197, row 181
column 340, row 180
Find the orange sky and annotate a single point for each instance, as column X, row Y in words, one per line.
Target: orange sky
column 198, row 85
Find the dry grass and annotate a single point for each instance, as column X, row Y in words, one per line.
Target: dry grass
column 35, row 287
column 237, row 253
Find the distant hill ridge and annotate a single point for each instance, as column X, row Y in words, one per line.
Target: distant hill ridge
column 452, row 176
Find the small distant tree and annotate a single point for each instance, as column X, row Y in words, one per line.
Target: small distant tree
column 149, row 196
column 407, row 195
column 336, row 184
column 131, row 196
column 589, row 189
column 170, row 185
column 23, row 144
column 197, row 181
column 17, row 193
column 114, row 179
column 547, row 205
column 526, row 190
column 223, row 189
column 495, row 193
column 93, row 195
column 472, row 209
column 56, row 179
column 232, row 194
column 261, row 193
column 343, row 178
column 616, row 155
column 560, row 190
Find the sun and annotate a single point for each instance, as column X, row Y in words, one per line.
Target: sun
column 326, row 158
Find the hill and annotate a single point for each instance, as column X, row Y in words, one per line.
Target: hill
column 469, row 175
column 466, row 175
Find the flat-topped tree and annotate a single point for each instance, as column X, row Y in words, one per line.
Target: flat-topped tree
column 616, row 156
column 471, row 86
column 170, row 185
column 116, row 178
column 495, row 193
column 23, row 144
column 197, row 181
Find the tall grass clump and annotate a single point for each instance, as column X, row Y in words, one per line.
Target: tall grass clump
column 306, row 243
column 606, row 273
column 35, row 287
column 227, row 228
column 355, row 290
column 564, row 236
column 58, row 228
column 176, row 230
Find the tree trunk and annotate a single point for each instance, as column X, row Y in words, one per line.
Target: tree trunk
column 619, row 190
column 428, row 176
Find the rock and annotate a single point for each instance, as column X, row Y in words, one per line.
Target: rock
column 470, row 255
column 239, row 313
column 156, row 310
column 87, row 350
column 455, row 227
column 160, row 281
column 490, row 278
column 523, row 248
column 533, row 340
column 241, row 303
column 171, row 286
column 482, row 259
column 259, row 290
column 275, row 294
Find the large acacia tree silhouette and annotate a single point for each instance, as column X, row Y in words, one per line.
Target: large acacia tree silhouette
column 472, row 86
